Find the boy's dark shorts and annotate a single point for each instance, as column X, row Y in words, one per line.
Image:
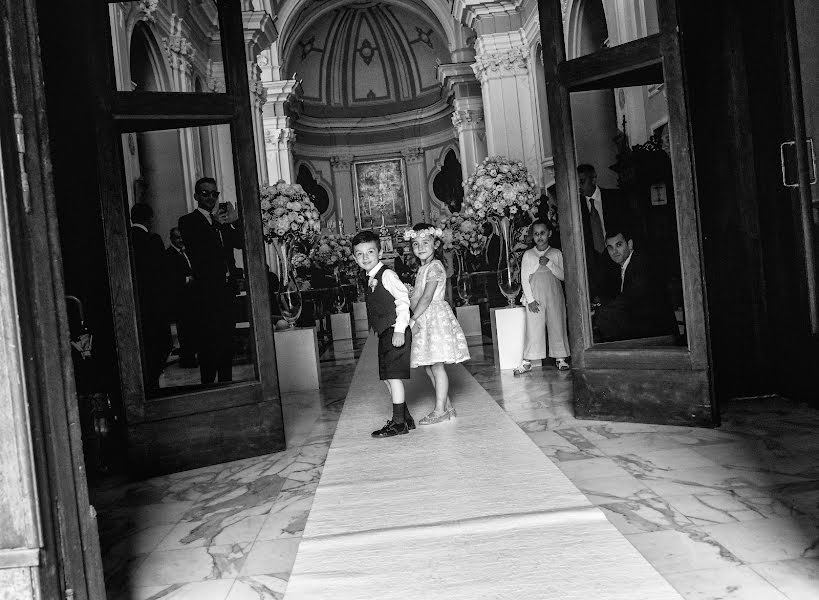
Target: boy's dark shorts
column 394, row 363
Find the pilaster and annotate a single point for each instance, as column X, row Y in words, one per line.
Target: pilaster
column 417, row 181
column 342, row 166
column 467, row 117
column 279, row 135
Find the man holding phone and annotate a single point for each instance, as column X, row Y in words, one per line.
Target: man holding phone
column 211, row 232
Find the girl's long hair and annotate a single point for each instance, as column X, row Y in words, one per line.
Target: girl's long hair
column 437, row 244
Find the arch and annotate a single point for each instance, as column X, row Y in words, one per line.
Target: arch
column 587, row 27
column 146, row 65
column 446, row 179
column 289, row 21
column 317, row 180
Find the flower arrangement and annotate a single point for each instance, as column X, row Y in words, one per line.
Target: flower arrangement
column 499, row 188
column 462, row 234
column 335, row 251
column 288, row 214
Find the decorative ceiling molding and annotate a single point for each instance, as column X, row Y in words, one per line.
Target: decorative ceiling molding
column 469, row 11
column 376, row 124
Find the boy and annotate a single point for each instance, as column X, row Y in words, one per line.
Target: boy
column 541, row 275
column 388, row 314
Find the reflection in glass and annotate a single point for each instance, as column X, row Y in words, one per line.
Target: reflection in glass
column 165, row 46
column 627, row 207
column 508, row 264
column 186, row 242
column 592, row 25
column 290, row 301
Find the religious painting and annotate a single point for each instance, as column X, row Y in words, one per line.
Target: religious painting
column 381, row 193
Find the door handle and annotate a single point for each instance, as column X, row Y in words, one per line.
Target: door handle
column 787, row 160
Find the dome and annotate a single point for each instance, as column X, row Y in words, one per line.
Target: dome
column 368, row 59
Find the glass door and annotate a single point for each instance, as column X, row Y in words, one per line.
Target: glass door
column 627, row 199
column 184, row 235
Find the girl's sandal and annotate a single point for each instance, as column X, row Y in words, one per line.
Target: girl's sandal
column 432, row 418
column 562, row 365
column 524, row 367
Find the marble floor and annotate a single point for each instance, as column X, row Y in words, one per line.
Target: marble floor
column 728, row 513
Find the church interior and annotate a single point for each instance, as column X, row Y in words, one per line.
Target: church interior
column 173, row 432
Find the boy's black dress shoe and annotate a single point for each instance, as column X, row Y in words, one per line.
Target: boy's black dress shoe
column 410, row 423
column 391, row 429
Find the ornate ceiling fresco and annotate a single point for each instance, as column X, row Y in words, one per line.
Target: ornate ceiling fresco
column 366, row 59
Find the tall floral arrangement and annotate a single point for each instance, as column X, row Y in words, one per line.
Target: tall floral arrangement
column 288, row 214
column 500, row 188
column 335, row 251
column 462, row 234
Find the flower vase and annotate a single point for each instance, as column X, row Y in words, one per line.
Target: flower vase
column 464, row 281
column 508, row 264
column 289, row 296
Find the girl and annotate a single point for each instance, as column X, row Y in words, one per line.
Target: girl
column 541, row 274
column 437, row 337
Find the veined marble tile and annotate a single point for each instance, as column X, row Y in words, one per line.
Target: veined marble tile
column 611, row 490
column 797, row 578
column 647, row 463
column 678, row 551
column 693, row 481
column 143, row 541
column 555, row 446
column 258, row 587
column 204, row 590
column 592, row 468
column 644, row 515
column 192, row 534
column 727, row 583
column 767, row 540
column 716, row 507
column 286, row 518
column 271, row 557
column 191, row 564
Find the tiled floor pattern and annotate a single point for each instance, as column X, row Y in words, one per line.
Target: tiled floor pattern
column 731, row 513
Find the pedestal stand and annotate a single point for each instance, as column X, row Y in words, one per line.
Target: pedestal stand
column 508, row 331
column 341, row 326
column 297, row 359
column 469, row 317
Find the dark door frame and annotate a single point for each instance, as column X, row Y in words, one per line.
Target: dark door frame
column 607, row 380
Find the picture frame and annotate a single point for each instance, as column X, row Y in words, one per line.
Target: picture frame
column 381, row 193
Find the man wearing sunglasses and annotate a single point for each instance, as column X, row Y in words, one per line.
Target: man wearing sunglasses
column 211, row 232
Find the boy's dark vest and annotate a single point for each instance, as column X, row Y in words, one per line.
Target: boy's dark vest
column 380, row 305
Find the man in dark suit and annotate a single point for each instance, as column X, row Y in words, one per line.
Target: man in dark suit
column 640, row 308
column 210, row 234
column 180, row 297
column 148, row 270
column 600, row 210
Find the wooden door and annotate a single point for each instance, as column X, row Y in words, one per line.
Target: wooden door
column 160, row 128
column 619, row 101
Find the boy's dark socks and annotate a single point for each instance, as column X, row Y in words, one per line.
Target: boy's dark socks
column 407, row 415
column 398, row 413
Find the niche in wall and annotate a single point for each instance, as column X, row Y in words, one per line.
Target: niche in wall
column 448, row 184
column 314, row 189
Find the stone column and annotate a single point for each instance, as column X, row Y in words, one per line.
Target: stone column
column 345, row 196
column 258, row 98
column 278, row 132
column 416, row 182
column 179, row 52
column 502, row 66
column 260, row 34
column 467, row 116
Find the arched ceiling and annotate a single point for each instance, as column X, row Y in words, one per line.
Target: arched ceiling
column 366, row 58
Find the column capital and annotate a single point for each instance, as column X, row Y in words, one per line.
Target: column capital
column 342, row 162
column 466, row 119
column 284, row 135
column 177, row 48
column 413, row 155
column 502, row 54
column 469, row 11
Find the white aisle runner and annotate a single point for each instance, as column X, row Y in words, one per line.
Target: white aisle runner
column 464, row 510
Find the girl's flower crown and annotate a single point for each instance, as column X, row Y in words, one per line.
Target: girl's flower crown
column 433, row 232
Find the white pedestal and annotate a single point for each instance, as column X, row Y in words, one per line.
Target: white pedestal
column 508, row 330
column 360, row 324
column 341, row 326
column 343, row 349
column 359, row 311
column 470, row 318
column 297, row 359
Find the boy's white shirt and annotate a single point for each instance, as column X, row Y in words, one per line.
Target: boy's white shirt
column 531, row 262
column 399, row 291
